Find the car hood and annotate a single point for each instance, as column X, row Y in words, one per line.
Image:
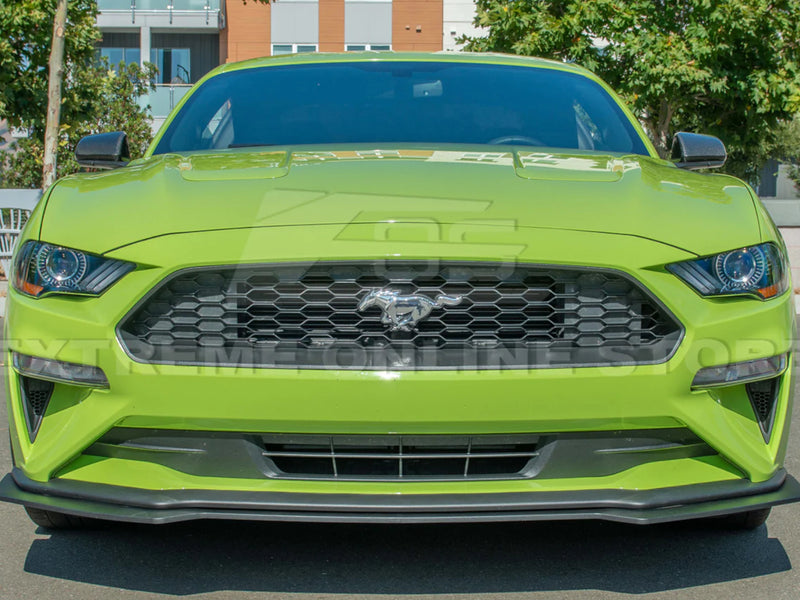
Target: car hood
column 629, row 195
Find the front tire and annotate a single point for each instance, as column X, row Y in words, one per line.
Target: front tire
column 56, row 520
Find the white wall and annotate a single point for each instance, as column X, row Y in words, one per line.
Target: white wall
column 457, row 21
column 367, row 22
column 295, row 22
column 785, row 186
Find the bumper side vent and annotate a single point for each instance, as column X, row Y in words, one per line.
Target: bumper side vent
column 763, row 396
column 36, row 394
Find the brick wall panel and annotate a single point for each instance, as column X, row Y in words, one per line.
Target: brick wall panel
column 331, row 25
column 410, row 15
column 247, row 33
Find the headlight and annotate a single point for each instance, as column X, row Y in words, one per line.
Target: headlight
column 756, row 271
column 41, row 268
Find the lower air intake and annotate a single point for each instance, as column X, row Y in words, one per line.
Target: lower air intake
column 763, row 396
column 36, row 395
column 396, row 457
column 423, row 457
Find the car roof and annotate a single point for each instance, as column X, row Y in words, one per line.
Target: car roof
column 391, row 56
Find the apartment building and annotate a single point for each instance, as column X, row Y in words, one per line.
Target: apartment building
column 187, row 38
column 181, row 37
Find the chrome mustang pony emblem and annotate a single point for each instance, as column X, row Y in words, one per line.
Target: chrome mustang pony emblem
column 402, row 313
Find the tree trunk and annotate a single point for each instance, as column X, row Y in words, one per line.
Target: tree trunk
column 56, row 75
column 662, row 141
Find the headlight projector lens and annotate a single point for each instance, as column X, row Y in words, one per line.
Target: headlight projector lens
column 61, row 266
column 741, row 268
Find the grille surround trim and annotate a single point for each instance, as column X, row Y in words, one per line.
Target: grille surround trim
column 678, row 334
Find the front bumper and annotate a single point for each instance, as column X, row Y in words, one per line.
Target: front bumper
column 57, row 470
column 625, row 506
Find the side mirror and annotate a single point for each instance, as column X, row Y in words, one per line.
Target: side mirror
column 103, row 150
column 695, row 151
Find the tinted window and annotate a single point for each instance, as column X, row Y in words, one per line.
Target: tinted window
column 401, row 102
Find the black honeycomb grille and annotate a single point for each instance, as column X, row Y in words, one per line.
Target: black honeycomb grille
column 36, row 394
column 763, row 396
column 38, row 398
column 308, row 316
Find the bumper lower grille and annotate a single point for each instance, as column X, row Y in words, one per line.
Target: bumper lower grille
column 424, row 457
column 397, row 457
column 399, row 315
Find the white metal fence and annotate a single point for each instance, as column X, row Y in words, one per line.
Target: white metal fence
column 15, row 208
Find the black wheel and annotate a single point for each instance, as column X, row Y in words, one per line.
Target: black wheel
column 56, row 520
column 751, row 519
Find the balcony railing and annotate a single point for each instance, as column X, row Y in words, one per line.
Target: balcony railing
column 157, row 5
column 116, row 13
column 164, row 99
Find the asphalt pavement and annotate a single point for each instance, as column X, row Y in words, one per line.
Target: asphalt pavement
column 595, row 560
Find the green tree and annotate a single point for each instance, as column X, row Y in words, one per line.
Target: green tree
column 26, row 31
column 788, row 148
column 93, row 98
column 729, row 68
column 113, row 108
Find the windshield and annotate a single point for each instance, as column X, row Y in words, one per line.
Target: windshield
column 393, row 102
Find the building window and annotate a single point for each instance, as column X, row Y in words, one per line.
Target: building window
column 281, row 49
column 278, row 49
column 174, row 65
column 118, row 55
column 362, row 47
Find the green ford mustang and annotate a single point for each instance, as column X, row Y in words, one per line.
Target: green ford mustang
column 399, row 288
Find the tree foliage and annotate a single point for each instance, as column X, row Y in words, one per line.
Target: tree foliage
column 26, row 30
column 788, row 148
column 114, row 108
column 95, row 98
column 729, row 68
